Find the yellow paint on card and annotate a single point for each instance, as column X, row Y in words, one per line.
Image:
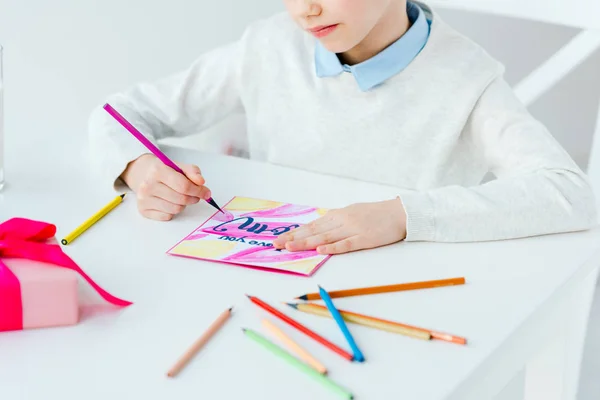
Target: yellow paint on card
column 322, row 211
column 248, row 204
column 204, row 248
column 306, row 266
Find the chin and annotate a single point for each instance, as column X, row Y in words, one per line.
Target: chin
column 336, row 46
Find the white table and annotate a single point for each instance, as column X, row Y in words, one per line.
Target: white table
column 522, row 296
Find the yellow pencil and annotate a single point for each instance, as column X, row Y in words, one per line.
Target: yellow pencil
column 92, row 220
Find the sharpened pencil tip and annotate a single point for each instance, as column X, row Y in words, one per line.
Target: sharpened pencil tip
column 123, row 195
column 230, row 308
column 248, row 296
column 243, row 329
column 303, row 297
column 292, row 305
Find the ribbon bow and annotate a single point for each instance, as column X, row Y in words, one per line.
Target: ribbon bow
column 24, row 238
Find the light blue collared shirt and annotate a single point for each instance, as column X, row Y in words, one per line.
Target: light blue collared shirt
column 384, row 65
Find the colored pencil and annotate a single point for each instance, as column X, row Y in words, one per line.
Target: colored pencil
column 385, row 289
column 301, row 328
column 199, row 343
column 365, row 321
column 378, row 323
column 92, row 220
column 295, row 347
column 358, row 355
column 278, row 351
column 150, row 146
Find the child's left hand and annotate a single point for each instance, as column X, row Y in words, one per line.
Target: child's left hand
column 356, row 227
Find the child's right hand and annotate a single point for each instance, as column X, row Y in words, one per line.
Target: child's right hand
column 161, row 191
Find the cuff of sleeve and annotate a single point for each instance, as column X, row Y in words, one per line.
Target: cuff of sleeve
column 113, row 176
column 111, row 166
column 420, row 221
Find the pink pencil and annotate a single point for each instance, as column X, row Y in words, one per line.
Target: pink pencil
column 149, row 145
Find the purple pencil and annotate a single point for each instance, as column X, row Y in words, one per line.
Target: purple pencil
column 149, row 145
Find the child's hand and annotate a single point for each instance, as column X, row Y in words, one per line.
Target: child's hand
column 359, row 226
column 162, row 192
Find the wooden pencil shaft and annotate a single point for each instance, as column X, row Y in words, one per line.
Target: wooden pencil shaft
column 313, row 335
column 199, row 343
column 387, row 288
column 278, row 351
column 369, row 322
column 87, row 224
column 341, row 323
column 295, row 347
column 434, row 335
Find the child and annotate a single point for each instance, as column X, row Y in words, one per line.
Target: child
column 376, row 90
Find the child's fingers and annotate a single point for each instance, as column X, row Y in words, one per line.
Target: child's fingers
column 312, row 242
column 156, row 215
column 343, row 246
column 181, row 184
column 193, row 173
column 166, row 193
column 158, row 204
column 314, row 228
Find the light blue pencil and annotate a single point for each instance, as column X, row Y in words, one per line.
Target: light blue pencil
column 358, row 356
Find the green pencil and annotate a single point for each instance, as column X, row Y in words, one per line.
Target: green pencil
column 278, row 351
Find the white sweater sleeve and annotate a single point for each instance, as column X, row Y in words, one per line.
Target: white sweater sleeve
column 538, row 188
column 179, row 105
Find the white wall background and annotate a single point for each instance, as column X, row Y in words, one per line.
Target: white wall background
column 62, row 57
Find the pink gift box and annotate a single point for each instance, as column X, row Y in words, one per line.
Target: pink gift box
column 39, row 294
column 49, row 293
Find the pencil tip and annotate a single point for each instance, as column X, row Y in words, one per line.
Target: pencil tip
column 123, row 195
column 248, row 296
column 243, row 329
column 292, row 305
column 230, row 308
column 303, row 297
column 213, row 203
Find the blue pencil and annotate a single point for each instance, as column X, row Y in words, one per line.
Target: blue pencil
column 358, row 356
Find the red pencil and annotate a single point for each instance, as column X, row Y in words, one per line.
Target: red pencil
column 301, row 328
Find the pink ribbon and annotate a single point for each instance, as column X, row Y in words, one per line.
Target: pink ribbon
column 24, row 238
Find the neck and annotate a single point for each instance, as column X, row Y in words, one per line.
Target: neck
column 393, row 24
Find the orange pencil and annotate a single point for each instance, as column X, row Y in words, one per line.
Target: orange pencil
column 382, row 324
column 295, row 347
column 199, row 343
column 386, row 289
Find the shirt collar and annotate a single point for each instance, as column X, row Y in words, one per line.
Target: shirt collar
column 384, row 65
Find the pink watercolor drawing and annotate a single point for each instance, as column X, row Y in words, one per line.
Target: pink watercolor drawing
column 268, row 255
column 243, row 235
